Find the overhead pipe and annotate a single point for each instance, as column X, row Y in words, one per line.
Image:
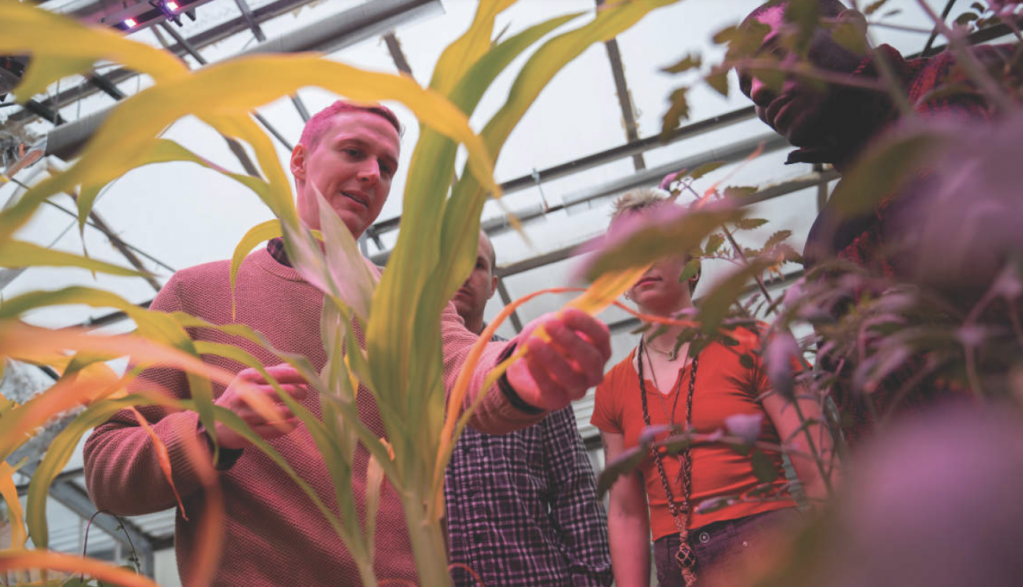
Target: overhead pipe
column 328, row 35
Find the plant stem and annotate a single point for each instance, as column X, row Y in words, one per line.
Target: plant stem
column 742, row 255
column 428, row 544
column 813, row 447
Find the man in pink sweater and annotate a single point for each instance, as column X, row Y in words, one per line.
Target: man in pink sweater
column 274, row 533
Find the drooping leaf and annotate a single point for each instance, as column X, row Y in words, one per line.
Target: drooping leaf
column 850, row 37
column 763, row 467
column 25, row 560
column 691, row 270
column 885, row 169
column 690, row 61
column 739, row 191
column 777, row 238
column 714, row 243
column 459, row 56
column 17, row 254
column 349, row 270
column 677, row 111
column 874, row 7
column 750, row 223
column 805, row 14
column 641, row 239
column 715, row 304
column 625, row 464
column 719, row 81
column 60, row 46
column 705, row 169
column 15, row 517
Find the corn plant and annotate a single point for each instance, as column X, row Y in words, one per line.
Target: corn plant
column 398, row 311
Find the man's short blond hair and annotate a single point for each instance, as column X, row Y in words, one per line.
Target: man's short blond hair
column 638, row 199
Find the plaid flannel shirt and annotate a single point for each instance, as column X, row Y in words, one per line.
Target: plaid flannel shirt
column 522, row 508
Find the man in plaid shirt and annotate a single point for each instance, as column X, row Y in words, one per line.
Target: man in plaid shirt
column 522, row 508
column 835, row 126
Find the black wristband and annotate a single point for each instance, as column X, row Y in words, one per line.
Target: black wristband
column 509, row 392
column 228, row 456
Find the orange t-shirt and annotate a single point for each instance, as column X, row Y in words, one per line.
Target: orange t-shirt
column 723, row 388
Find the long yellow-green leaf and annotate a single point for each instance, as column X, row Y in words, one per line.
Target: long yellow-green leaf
column 313, row 424
column 337, row 467
column 23, row 560
column 57, row 456
column 166, row 151
column 462, row 211
column 236, row 87
column 337, row 376
column 15, row 517
column 241, row 126
column 459, row 56
column 59, row 44
column 348, row 268
column 23, row 342
column 259, row 233
column 553, row 56
column 15, row 254
column 374, row 485
column 90, row 384
column 157, row 327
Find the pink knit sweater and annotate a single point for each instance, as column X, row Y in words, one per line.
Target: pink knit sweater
column 274, row 533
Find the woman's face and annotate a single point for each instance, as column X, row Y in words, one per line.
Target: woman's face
column 659, row 290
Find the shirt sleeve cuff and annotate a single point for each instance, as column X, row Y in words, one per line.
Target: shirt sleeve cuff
column 228, row 456
column 509, row 392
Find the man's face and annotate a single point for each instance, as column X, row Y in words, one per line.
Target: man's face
column 801, row 113
column 479, row 287
column 351, row 166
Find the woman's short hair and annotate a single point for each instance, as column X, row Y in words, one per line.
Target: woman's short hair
column 638, row 199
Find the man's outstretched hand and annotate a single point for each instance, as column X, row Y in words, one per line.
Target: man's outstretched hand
column 553, row 374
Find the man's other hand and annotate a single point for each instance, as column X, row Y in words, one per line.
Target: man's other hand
column 290, row 380
column 553, row 374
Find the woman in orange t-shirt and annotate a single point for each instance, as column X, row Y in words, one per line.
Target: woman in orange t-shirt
column 654, row 386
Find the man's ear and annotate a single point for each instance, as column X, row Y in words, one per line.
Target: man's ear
column 493, row 286
column 298, row 161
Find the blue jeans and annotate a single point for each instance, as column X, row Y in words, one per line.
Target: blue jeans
column 719, row 545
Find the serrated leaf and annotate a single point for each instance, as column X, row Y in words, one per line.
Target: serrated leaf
column 805, row 14
column 885, row 169
column 718, row 81
column 966, row 18
column 763, row 467
column 690, row 271
column 750, row 223
column 715, row 305
column 782, row 351
column 691, row 61
column 850, row 37
column 626, row 463
column 776, row 239
column 874, row 7
column 677, row 112
column 740, row 191
column 640, row 238
column 714, row 243
column 705, row 169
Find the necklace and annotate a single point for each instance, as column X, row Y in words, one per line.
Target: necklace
column 685, row 557
column 660, row 395
column 672, row 354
